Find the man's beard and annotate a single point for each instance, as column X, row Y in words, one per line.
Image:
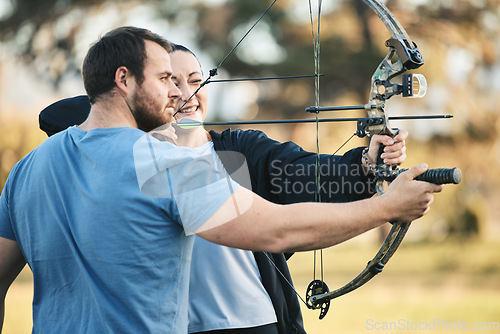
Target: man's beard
column 146, row 116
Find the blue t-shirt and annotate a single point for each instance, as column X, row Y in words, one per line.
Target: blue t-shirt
column 107, row 252
column 225, row 288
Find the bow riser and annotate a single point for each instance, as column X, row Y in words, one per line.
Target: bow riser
column 408, row 56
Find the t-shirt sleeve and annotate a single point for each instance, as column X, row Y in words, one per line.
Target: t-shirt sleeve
column 195, row 179
column 6, row 230
column 198, row 205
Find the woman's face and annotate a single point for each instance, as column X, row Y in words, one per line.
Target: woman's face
column 187, row 76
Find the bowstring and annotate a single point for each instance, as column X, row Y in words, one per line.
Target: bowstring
column 213, row 72
column 315, row 32
column 246, row 34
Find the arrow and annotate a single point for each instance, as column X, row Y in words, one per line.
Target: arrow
column 187, row 123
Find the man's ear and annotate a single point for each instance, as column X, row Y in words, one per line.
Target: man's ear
column 123, row 78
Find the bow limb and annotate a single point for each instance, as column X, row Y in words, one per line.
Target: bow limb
column 374, row 266
column 395, row 28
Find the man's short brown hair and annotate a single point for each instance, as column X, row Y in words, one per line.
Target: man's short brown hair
column 124, row 46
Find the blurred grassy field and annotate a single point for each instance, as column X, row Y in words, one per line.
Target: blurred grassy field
column 433, row 288
column 425, row 288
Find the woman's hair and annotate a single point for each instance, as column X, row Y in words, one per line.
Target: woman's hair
column 124, row 46
column 179, row 47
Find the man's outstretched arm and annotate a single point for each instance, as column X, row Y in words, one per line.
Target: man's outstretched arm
column 264, row 226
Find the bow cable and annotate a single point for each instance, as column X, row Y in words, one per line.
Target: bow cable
column 213, row 72
column 316, row 33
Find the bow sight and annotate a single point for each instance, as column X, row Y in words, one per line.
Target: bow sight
column 413, row 85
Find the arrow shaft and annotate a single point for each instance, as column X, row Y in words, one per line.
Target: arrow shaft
column 322, row 120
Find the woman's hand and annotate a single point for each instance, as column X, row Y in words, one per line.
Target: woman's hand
column 165, row 132
column 394, row 152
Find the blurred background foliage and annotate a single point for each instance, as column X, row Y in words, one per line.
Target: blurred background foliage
column 43, row 42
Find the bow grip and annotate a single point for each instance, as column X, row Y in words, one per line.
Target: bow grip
column 441, row 175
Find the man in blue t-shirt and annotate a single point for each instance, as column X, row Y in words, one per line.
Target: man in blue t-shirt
column 104, row 214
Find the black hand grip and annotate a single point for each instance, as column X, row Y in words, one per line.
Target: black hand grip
column 441, row 175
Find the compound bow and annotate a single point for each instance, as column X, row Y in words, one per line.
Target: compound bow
column 408, row 57
column 403, row 55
